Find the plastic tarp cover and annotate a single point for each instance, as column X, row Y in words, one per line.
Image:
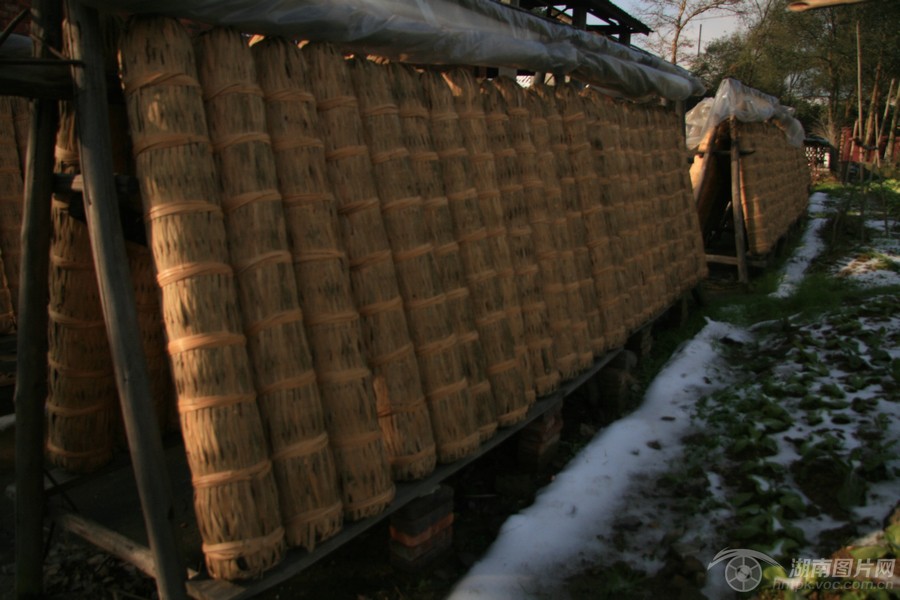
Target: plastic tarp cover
column 445, row 32
column 747, row 105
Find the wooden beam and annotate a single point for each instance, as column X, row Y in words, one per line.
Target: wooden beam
column 737, row 203
column 117, row 298
column 33, row 77
column 68, row 183
column 31, row 368
column 722, row 260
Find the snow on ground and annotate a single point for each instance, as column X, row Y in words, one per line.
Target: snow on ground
column 611, row 489
column 810, row 247
column 539, row 548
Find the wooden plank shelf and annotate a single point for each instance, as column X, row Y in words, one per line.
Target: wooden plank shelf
column 103, row 518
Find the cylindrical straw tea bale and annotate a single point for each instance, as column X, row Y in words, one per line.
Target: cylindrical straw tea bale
column 403, row 414
column 593, row 207
column 153, row 334
column 287, row 393
column 542, row 235
column 602, row 205
column 446, row 388
column 81, row 392
column 541, row 351
column 565, row 265
column 470, row 109
column 323, row 280
column 572, row 203
column 235, row 497
column 504, row 370
column 426, row 165
column 11, row 198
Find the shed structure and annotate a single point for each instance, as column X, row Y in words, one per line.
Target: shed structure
column 303, row 277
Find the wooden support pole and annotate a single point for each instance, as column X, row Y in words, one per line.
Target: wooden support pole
column 117, row 298
column 737, row 203
column 31, row 369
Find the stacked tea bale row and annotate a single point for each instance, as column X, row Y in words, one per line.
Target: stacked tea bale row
column 429, row 177
column 285, row 381
column 307, row 285
column 571, row 205
column 535, row 318
column 472, row 121
column 322, row 274
column 774, row 184
column 654, row 239
column 505, row 371
column 430, row 320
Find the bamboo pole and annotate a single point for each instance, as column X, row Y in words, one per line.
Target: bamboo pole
column 892, row 133
column 31, row 369
column 737, row 208
column 887, row 111
column 117, row 297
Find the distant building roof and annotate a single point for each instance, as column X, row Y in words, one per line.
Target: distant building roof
column 616, row 22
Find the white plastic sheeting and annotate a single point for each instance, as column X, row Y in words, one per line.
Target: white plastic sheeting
column 460, row 32
column 747, row 105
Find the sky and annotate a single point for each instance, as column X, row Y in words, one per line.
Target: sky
column 713, row 26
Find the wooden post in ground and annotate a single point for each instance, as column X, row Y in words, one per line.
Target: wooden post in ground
column 117, row 298
column 31, row 369
column 737, row 203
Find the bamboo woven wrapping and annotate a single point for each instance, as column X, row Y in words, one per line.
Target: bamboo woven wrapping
column 11, row 198
column 470, row 108
column 503, row 368
column 572, row 204
column 235, row 497
column 403, row 414
column 535, row 316
column 565, row 266
column 323, row 280
column 287, row 393
column 428, row 174
column 21, row 112
column 81, row 394
column 447, row 389
column 774, row 182
column 542, row 235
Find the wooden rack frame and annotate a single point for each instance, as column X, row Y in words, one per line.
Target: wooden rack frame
column 83, row 80
column 702, row 192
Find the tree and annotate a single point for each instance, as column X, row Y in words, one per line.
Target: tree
column 808, row 60
column 670, row 18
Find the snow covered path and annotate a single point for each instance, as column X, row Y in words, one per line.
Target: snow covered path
column 810, row 247
column 539, row 548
